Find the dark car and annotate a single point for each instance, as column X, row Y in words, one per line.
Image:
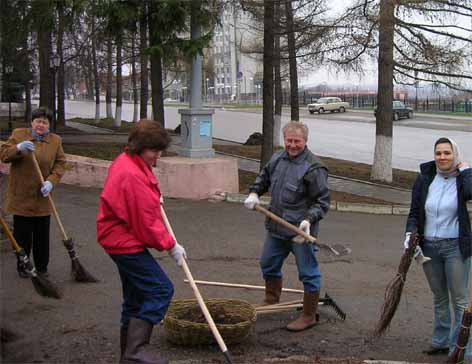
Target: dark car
column 400, row 110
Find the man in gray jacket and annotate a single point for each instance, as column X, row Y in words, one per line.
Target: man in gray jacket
column 298, row 183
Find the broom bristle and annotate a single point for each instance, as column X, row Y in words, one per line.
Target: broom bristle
column 45, row 287
column 394, row 289
column 80, row 274
column 462, row 340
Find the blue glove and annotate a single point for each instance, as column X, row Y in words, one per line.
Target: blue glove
column 25, row 146
column 46, row 188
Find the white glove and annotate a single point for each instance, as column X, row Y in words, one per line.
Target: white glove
column 46, row 188
column 161, row 200
column 25, row 146
column 419, row 256
column 251, row 201
column 305, row 226
column 406, row 243
column 178, row 254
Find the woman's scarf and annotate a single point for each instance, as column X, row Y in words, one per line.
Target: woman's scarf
column 38, row 137
column 453, row 171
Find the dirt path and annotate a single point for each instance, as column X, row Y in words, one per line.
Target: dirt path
column 223, row 242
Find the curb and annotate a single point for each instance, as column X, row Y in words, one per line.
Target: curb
column 375, row 209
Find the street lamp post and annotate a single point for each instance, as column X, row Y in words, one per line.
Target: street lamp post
column 8, row 72
column 206, row 89
column 54, row 64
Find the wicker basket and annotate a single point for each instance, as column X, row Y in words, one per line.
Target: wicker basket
column 179, row 330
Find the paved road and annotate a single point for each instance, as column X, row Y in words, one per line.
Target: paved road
column 349, row 136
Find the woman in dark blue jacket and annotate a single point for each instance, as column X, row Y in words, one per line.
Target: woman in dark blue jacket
column 439, row 215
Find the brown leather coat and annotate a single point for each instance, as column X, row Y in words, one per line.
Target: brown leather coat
column 24, row 197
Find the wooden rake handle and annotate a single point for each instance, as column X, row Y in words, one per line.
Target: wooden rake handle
column 294, row 228
column 285, row 223
column 51, row 202
column 9, row 235
column 196, row 292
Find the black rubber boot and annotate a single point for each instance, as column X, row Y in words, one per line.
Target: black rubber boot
column 123, row 337
column 138, row 350
column 273, row 290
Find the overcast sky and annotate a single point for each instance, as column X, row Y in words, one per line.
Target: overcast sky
column 369, row 78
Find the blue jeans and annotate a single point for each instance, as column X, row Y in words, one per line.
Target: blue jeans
column 273, row 256
column 147, row 291
column 447, row 274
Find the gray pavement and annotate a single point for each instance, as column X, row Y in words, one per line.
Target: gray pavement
column 223, row 243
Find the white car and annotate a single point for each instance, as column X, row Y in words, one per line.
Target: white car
column 328, row 104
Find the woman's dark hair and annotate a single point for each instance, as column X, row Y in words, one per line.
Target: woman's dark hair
column 442, row 141
column 42, row 112
column 147, row 134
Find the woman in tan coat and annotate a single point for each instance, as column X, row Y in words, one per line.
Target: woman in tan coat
column 26, row 196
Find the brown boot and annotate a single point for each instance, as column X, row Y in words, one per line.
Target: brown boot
column 273, row 289
column 308, row 318
column 138, row 350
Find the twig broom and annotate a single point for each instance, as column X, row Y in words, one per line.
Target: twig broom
column 457, row 356
column 43, row 286
column 78, row 272
column 394, row 289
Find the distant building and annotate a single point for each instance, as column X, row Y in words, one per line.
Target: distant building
column 232, row 74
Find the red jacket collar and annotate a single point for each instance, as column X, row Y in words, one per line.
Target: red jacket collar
column 139, row 162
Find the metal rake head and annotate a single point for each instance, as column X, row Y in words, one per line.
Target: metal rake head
column 328, row 301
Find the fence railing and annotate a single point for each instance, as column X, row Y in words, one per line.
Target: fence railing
column 429, row 104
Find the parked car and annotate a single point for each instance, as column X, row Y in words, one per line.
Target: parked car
column 328, row 104
column 399, row 110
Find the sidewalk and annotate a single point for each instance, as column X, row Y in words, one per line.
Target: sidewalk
column 336, row 183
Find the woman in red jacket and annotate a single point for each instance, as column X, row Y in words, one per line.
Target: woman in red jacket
column 129, row 222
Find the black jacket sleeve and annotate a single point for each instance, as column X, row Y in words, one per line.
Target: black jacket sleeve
column 316, row 181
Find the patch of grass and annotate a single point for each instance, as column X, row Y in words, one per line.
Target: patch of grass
column 338, row 167
column 106, row 123
column 106, row 151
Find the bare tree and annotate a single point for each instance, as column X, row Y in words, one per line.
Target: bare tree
column 133, row 78
column 96, row 78
column 382, row 167
column 277, row 78
column 108, row 91
column 414, row 40
column 292, row 59
column 119, row 79
column 268, row 84
column 144, row 60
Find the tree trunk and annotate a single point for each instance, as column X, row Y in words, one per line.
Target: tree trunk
column 277, row 78
column 268, row 84
column 143, row 29
column 109, row 78
column 27, row 83
column 292, row 54
column 119, row 81
column 61, row 113
column 133, row 78
column 156, row 76
column 382, row 166
column 96, row 78
column 46, row 81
